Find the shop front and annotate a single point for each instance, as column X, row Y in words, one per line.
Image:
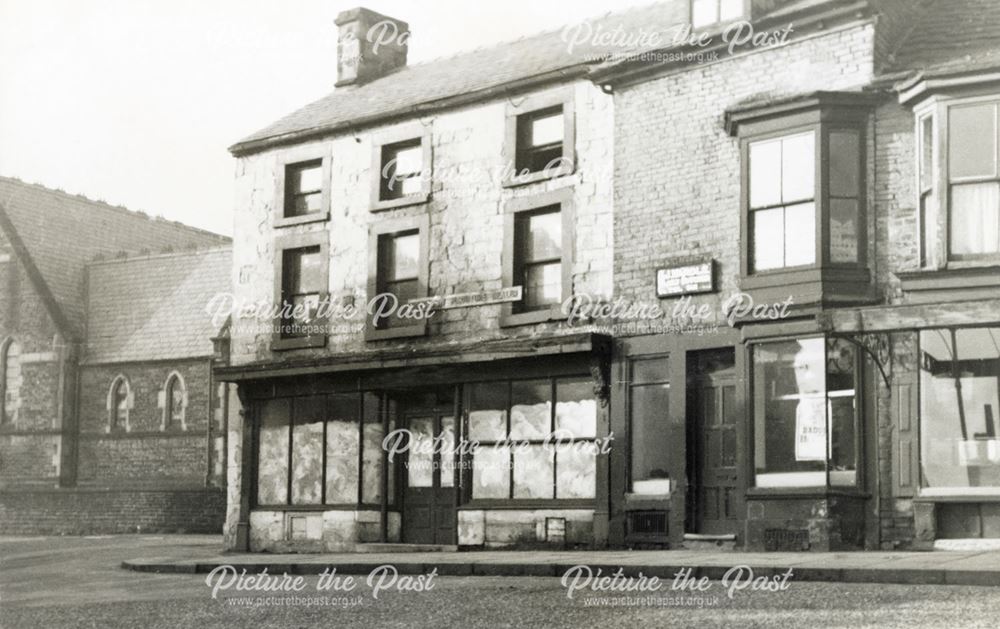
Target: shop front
column 507, row 452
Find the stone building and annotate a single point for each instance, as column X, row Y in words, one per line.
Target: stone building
column 748, row 282
column 111, row 421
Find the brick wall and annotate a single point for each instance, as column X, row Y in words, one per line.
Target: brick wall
column 81, row 511
column 147, row 452
column 466, row 215
column 677, row 171
column 33, row 452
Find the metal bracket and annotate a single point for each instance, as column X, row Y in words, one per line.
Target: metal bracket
column 878, row 347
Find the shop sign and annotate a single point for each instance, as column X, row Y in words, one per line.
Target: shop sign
column 690, row 279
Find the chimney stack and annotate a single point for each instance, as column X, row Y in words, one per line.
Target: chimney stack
column 369, row 46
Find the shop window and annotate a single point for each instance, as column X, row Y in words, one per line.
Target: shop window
column 649, row 404
column 119, row 405
column 398, row 279
column 10, row 381
column 303, row 188
column 309, row 448
column 533, row 439
column 175, row 403
column 301, row 277
column 706, row 13
column 537, row 256
column 959, row 408
column 805, row 413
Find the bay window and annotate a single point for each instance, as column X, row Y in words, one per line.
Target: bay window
column 960, row 410
column 805, row 406
column 309, row 447
column 532, row 439
column 958, row 157
column 804, row 226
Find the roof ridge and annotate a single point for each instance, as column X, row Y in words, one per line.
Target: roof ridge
column 124, row 256
column 514, row 40
column 113, row 207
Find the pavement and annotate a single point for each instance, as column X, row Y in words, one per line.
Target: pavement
column 186, row 556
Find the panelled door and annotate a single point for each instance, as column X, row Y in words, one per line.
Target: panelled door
column 429, row 498
column 714, row 487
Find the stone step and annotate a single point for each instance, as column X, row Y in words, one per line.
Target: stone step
column 405, row 548
column 712, row 543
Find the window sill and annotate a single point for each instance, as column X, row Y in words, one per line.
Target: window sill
column 410, row 331
column 319, row 508
column 943, row 284
column 527, row 503
column 408, row 200
column 291, row 221
column 514, row 181
column 511, row 320
column 792, row 493
column 959, row 495
column 301, row 342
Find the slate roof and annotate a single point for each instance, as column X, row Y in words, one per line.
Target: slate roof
column 424, row 84
column 154, row 307
column 951, row 36
column 62, row 232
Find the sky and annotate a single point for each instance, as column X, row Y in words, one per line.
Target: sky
column 134, row 102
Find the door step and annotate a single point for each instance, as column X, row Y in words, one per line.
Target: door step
column 698, row 541
column 968, row 545
column 405, row 548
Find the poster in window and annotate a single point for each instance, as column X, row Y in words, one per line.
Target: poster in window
column 810, row 430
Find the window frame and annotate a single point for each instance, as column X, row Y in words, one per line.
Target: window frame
column 860, row 376
column 295, row 157
column 938, row 245
column 466, row 462
column 285, row 244
column 378, row 231
column 534, row 104
column 120, row 380
column 174, row 378
column 825, row 113
column 719, row 22
column 411, row 132
column 5, row 348
column 564, row 198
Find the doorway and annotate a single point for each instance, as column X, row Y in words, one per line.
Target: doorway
column 714, row 497
column 429, row 495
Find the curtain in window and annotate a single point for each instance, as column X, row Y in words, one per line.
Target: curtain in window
column 975, row 218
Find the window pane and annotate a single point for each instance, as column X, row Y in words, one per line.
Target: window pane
column 411, row 185
column 306, row 203
column 730, row 10
column 765, row 173
column 531, row 409
column 488, row 411
column 576, row 409
column 768, row 239
column 798, row 171
column 306, row 178
column 648, row 407
column 176, row 397
column 704, row 12
column 420, row 456
column 845, row 164
column 303, row 271
column 307, row 449
column 843, row 230
column 405, row 257
column 272, row 456
column 491, row 472
column 371, row 477
column 547, row 130
column 926, row 153
column 543, row 237
column 649, row 370
column 409, row 160
column 972, row 141
column 12, row 383
column 543, row 285
column 790, row 413
column 960, row 408
column 975, row 218
column 800, row 234
column 533, row 472
column 342, row 450
column 576, row 470
column 447, row 455
column 840, row 379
